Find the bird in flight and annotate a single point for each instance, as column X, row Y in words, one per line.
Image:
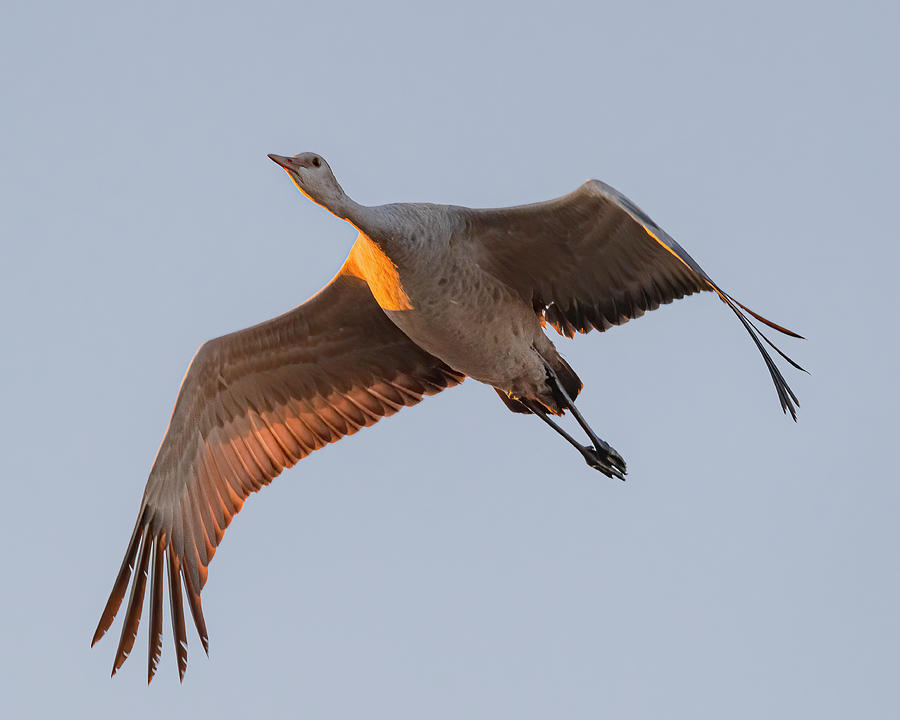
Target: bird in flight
column 429, row 295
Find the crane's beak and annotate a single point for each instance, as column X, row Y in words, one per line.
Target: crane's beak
column 286, row 163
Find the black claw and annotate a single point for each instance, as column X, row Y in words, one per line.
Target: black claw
column 609, row 462
column 600, row 456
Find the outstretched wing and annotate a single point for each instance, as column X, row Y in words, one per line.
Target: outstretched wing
column 253, row 403
column 593, row 259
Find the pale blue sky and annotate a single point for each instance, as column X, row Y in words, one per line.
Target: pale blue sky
column 457, row 560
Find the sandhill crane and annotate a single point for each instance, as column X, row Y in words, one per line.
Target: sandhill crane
column 429, row 294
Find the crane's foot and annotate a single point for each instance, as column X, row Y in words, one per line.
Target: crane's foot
column 606, row 460
column 600, row 455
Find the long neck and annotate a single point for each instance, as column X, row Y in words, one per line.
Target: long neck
column 331, row 196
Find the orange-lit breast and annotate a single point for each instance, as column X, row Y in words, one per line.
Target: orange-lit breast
column 370, row 263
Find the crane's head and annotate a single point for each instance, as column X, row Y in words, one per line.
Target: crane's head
column 312, row 176
column 308, row 171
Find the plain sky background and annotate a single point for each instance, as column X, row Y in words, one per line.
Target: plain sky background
column 457, row 560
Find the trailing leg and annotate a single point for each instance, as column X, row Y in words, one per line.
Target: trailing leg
column 567, row 402
column 600, row 457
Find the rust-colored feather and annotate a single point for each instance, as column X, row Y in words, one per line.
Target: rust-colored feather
column 175, row 601
column 121, row 583
column 156, row 600
column 196, row 611
column 135, row 604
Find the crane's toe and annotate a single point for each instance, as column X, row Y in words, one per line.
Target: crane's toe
column 606, row 460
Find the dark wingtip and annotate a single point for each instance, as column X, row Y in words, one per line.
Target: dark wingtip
column 176, row 603
column 120, row 586
column 765, row 321
column 155, row 636
column 790, row 408
column 786, row 396
column 196, row 609
column 135, row 603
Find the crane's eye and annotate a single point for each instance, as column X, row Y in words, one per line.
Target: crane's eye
column 316, row 162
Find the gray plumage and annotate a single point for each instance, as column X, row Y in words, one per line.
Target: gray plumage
column 429, row 294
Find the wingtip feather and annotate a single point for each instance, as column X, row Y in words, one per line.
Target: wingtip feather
column 135, row 604
column 154, row 645
column 765, row 321
column 196, row 609
column 789, row 401
column 177, row 608
column 120, row 586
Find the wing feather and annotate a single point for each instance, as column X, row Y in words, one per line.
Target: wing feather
column 175, row 603
column 135, row 603
column 156, row 600
column 121, row 583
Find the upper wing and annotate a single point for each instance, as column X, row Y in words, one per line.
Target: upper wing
column 594, row 259
column 252, row 403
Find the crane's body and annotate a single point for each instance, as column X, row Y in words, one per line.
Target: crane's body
column 431, row 287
